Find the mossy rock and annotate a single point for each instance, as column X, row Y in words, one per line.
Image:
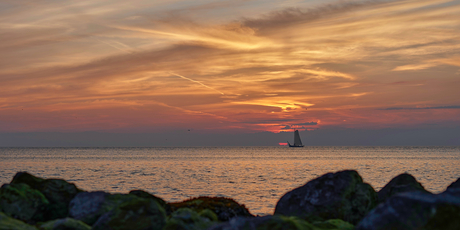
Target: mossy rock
column 89, row 206
column 64, row 224
column 58, row 192
column 224, row 208
column 146, row 195
column 336, row 224
column 340, row 195
column 134, row 214
column 8, row 223
column 187, row 219
column 22, row 202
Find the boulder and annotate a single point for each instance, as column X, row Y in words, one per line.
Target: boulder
column 89, row 206
column 341, row 195
column 22, row 202
column 224, row 208
column 136, row 214
column 63, row 224
column 454, row 185
column 415, row 210
column 161, row 202
column 454, row 188
column 279, row 222
column 187, row 219
column 401, row 183
column 8, row 223
column 58, row 192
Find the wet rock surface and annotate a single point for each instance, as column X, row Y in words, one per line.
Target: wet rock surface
column 341, row 195
column 401, row 183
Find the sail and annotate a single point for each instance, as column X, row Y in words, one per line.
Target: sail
column 297, row 141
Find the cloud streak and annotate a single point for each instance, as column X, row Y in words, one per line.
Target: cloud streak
column 274, row 64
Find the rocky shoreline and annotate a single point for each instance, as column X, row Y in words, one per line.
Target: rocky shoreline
column 338, row 200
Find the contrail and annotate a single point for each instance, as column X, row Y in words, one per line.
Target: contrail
column 186, row 78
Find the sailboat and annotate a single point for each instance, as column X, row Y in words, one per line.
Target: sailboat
column 297, row 141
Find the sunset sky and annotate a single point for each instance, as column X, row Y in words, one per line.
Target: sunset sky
column 229, row 66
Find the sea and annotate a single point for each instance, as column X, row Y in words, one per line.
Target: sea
column 254, row 176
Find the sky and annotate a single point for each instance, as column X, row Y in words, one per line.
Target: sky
column 237, row 72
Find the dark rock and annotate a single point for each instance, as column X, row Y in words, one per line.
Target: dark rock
column 341, row 195
column 135, row 214
column 8, row 223
column 89, row 206
column 415, row 210
column 187, row 219
column 454, row 185
column 454, row 188
column 278, row 222
column 22, row 202
column 161, row 202
column 58, row 192
column 26, row 178
column 65, row 224
column 224, row 208
column 401, row 183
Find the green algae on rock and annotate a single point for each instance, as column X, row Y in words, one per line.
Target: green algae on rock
column 187, row 219
column 8, row 223
column 144, row 194
column 224, row 208
column 22, row 202
column 58, row 192
column 63, row 224
column 135, row 214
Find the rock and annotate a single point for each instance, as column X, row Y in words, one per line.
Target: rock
column 224, row 208
column 89, row 206
column 26, row 178
column 279, row 222
column 341, row 195
column 134, row 214
column 8, row 223
column 58, row 192
column 454, row 185
column 161, row 202
column 401, row 183
column 275, row 222
column 22, row 202
column 63, row 224
column 454, row 188
column 334, row 224
column 415, row 210
column 187, row 219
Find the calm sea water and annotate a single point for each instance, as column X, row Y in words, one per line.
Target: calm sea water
column 254, row 176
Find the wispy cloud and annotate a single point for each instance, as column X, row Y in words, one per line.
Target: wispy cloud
column 269, row 62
